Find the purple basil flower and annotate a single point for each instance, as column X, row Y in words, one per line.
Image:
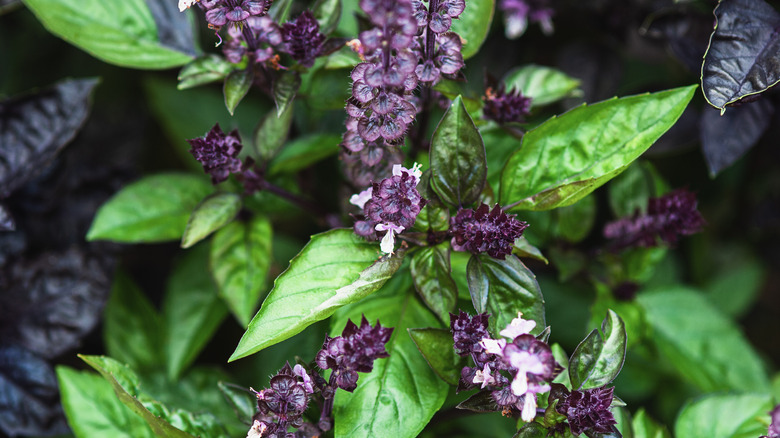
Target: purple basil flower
column 439, row 20
column 517, row 14
column 218, row 153
column 667, row 218
column 233, row 12
column 468, row 332
column 267, row 40
column 587, row 410
column 354, row 351
column 391, row 205
column 504, row 107
column 285, row 400
column 485, row 230
column 774, row 427
column 302, row 38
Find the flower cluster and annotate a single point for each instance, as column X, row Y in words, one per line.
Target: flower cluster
column 485, row 230
column 667, row 218
column 266, row 41
column 513, row 369
column 354, row 351
column 381, row 107
column 232, row 12
column 389, row 206
column 774, row 427
column 302, row 39
column 504, row 107
column 586, row 411
column 439, row 49
column 517, row 14
column 218, row 153
column 283, row 403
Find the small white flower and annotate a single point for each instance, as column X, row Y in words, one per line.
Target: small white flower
column 529, row 407
column 361, row 198
column 388, row 242
column 257, row 430
column 484, row 377
column 185, row 4
column 414, row 171
column 307, row 383
column 517, row 327
column 493, row 346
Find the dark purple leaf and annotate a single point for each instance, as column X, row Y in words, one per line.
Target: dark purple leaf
column 174, row 29
column 724, row 139
column 34, row 127
column 743, row 57
column 51, row 301
column 28, row 394
column 6, row 221
column 685, row 31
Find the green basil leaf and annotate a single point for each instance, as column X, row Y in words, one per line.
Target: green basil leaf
column 725, row 416
column 236, row 86
column 438, row 348
column 243, row 402
column 631, row 190
column 742, row 57
column 523, row 248
column 328, row 14
column 563, row 360
column 92, row 408
column 122, row 33
column 154, row 209
column 567, row 157
column 401, row 394
column 204, row 70
column 600, row 356
column 458, row 163
column 631, row 312
column 645, row 427
column 192, row 309
column 473, row 25
column 303, row 152
column 531, row 430
column 700, row 342
column 132, row 326
column 210, row 215
column 506, row 287
column 334, row 269
column 272, row 132
column 285, row 89
column 431, row 275
column 125, row 385
column 239, row 260
column 543, row 84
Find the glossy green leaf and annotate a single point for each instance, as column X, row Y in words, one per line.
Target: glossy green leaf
column 132, row 326
column 531, row 430
column 567, row 157
column 431, row 270
column 473, row 25
column 94, row 410
column 204, row 70
column 125, row 385
column 192, row 309
column 523, row 248
column 239, row 260
column 328, row 14
column 272, row 132
column 543, row 84
column 630, row 312
column 285, row 89
column 725, row 416
column 236, row 86
column 334, row 269
column 506, row 287
column 458, row 163
column 736, row 282
column 700, row 342
column 574, row 222
column 401, row 394
column 645, row 427
column 600, row 356
column 243, row 402
column 563, row 360
column 154, row 209
column 743, row 54
column 280, row 10
column 123, row 33
column 303, row 152
column 437, row 347
column 210, row 215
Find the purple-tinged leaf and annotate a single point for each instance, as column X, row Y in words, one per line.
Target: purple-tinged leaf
column 724, row 139
column 52, row 301
column 35, row 127
column 685, row 31
column 174, row 29
column 743, row 57
column 28, row 394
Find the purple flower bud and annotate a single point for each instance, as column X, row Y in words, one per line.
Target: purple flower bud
column 468, row 332
column 303, row 40
column 587, row 410
column 504, row 107
column 286, row 398
column 667, row 218
column 484, row 230
column 774, row 427
column 517, row 14
column 266, row 36
column 218, row 153
column 352, row 352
